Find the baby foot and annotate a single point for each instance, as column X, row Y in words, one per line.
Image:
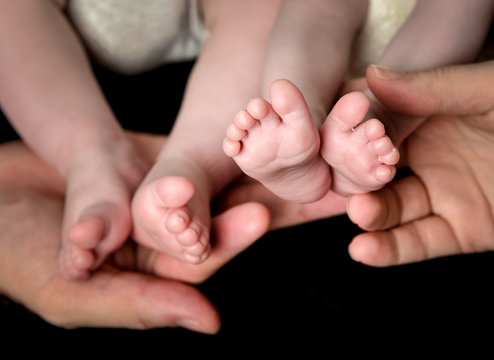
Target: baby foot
column 360, row 154
column 163, row 219
column 97, row 217
column 278, row 145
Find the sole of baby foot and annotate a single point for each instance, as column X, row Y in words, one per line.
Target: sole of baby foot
column 164, row 219
column 278, row 144
column 362, row 157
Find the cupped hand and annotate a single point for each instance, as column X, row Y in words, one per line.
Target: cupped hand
column 446, row 206
column 135, row 290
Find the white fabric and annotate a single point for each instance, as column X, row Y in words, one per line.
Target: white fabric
column 131, row 36
column 384, row 18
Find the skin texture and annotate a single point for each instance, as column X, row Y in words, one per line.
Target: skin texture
column 418, row 217
column 56, row 105
column 67, row 121
column 137, row 289
column 359, row 136
column 192, row 169
column 429, row 214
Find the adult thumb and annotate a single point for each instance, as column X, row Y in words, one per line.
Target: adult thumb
column 453, row 90
column 116, row 299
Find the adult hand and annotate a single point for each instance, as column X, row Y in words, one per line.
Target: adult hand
column 119, row 294
column 283, row 213
column 446, row 206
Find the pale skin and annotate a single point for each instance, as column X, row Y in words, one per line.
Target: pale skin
column 435, row 221
column 429, row 214
column 357, row 142
column 52, row 98
column 97, row 224
column 55, row 103
column 139, row 288
column 171, row 208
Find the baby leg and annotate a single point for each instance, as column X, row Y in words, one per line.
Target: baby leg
column 171, row 208
column 362, row 157
column 97, row 209
column 278, row 145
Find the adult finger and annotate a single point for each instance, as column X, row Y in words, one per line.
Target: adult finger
column 232, row 232
column 453, row 90
column 420, row 240
column 399, row 202
column 283, row 213
column 126, row 300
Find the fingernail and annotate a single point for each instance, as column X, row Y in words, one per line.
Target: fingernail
column 385, row 73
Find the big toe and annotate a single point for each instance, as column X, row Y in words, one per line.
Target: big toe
column 286, row 98
column 349, row 111
column 103, row 228
column 385, row 173
column 89, row 232
column 173, row 191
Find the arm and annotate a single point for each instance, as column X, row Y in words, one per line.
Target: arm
column 47, row 87
column 225, row 76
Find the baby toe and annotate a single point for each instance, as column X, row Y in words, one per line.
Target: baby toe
column 197, row 253
column 82, row 259
column 349, row 112
column 189, row 236
column 258, row 108
column 233, row 132
column 383, row 147
column 75, row 263
column 244, row 121
column 374, row 129
column 231, row 147
column 390, row 158
column 172, row 191
column 89, row 232
column 197, row 249
column 194, row 259
column 385, row 173
column 177, row 221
